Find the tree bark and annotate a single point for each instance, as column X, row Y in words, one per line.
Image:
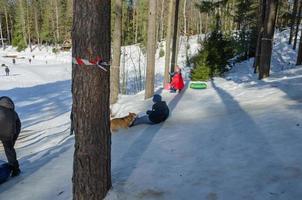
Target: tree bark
column 299, row 57
column 298, row 20
column 185, row 18
column 267, row 39
column 90, row 90
column 168, row 42
column 151, row 49
column 37, row 25
column 57, row 21
column 23, row 24
column 7, row 26
column 1, row 34
column 175, row 38
column 11, row 26
column 53, row 22
column 28, row 27
column 116, row 48
column 136, row 24
column 162, row 21
column 261, row 18
column 293, row 21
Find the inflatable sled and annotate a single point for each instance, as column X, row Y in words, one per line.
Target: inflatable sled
column 4, row 171
column 198, row 85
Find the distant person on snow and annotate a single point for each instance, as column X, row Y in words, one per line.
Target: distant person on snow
column 159, row 113
column 29, row 61
column 7, row 71
column 10, row 127
column 14, row 61
column 177, row 82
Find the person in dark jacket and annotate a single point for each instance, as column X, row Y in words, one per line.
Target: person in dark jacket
column 10, row 127
column 159, row 113
column 7, row 71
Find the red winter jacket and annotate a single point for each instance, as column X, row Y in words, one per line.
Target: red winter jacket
column 177, row 82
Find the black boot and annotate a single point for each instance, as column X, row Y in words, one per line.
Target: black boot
column 15, row 171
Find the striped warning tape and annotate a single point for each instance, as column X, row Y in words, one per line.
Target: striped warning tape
column 98, row 62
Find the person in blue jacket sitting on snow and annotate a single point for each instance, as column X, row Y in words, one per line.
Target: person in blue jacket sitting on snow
column 159, row 113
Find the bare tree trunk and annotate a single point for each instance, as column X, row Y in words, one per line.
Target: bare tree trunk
column 37, row 26
column 206, row 22
column 162, row 20
column 28, row 27
column 7, row 27
column 124, row 82
column 293, row 21
column 200, row 23
column 151, row 49
column 11, row 26
column 261, row 18
column 53, row 23
column 186, row 35
column 23, row 21
column 267, row 39
column 175, row 38
column 90, row 89
column 297, row 25
column 116, row 48
column 185, row 18
column 57, row 21
column 1, row 34
column 168, row 42
column 136, row 25
column 299, row 57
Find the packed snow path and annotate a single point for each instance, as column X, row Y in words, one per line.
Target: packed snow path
column 231, row 141
column 221, row 143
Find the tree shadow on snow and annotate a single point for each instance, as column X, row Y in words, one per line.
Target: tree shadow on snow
column 42, row 102
column 33, row 162
column 288, row 82
column 121, row 172
column 246, row 142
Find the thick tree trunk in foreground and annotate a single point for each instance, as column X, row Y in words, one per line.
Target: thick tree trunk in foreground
column 175, row 39
column 1, row 34
column 261, row 19
column 151, row 49
column 298, row 21
column 299, row 57
column 168, row 42
column 293, row 21
column 116, row 58
column 267, row 39
column 90, row 89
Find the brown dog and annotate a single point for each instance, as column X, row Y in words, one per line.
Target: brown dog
column 123, row 122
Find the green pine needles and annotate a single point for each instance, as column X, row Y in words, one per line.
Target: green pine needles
column 213, row 58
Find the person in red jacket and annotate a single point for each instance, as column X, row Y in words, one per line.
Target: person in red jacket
column 177, row 82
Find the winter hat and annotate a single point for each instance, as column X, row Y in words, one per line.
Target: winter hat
column 7, row 102
column 156, row 98
column 177, row 68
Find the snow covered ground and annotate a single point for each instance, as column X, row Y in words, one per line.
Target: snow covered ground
column 238, row 139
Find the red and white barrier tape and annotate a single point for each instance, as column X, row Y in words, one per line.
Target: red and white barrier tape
column 99, row 62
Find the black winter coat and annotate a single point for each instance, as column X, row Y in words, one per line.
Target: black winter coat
column 159, row 113
column 10, row 124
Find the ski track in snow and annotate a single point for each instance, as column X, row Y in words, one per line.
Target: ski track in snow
column 238, row 139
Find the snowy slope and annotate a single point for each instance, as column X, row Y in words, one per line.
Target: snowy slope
column 238, row 139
